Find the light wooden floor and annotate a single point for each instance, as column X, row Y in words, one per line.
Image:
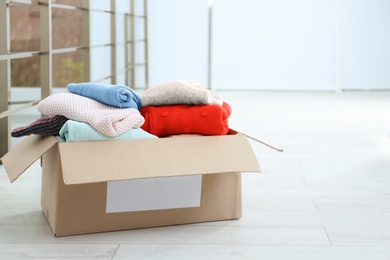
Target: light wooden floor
column 326, row 197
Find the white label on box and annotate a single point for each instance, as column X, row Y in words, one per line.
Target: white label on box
column 154, row 193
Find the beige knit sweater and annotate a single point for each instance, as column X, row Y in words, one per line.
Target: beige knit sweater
column 176, row 92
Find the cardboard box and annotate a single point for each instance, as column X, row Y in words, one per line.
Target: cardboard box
column 100, row 186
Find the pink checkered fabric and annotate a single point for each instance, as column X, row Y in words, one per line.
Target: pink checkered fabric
column 108, row 120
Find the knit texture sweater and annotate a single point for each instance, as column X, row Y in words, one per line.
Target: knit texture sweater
column 175, row 92
column 184, row 119
column 108, row 120
column 42, row 126
column 74, row 131
column 113, row 95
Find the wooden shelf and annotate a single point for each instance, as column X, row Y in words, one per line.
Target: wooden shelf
column 20, row 2
column 19, row 55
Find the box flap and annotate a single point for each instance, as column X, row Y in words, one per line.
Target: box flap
column 234, row 132
column 26, row 153
column 88, row 162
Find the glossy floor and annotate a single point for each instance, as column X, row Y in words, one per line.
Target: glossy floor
column 326, row 197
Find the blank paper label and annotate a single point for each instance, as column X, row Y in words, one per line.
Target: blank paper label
column 154, row 193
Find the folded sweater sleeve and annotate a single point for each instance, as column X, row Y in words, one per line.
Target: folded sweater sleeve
column 43, row 126
column 114, row 95
column 74, row 131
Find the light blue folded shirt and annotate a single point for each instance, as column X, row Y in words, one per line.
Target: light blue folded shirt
column 75, row 131
column 114, row 95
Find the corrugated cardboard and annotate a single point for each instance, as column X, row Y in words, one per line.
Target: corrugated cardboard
column 26, row 153
column 75, row 177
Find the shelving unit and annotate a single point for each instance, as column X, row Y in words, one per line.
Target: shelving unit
column 46, row 53
column 131, row 65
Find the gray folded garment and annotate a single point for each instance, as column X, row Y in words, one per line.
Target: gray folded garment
column 177, row 92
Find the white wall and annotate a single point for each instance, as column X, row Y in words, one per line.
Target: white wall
column 261, row 44
column 365, row 44
column 274, row 44
column 278, row 44
column 177, row 40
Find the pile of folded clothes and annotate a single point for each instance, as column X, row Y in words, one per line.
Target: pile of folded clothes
column 183, row 107
column 92, row 111
column 89, row 111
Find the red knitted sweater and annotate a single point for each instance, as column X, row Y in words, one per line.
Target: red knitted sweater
column 185, row 119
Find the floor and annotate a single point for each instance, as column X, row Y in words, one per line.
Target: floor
column 326, row 197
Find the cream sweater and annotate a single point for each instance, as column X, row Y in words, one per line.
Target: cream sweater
column 176, row 92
